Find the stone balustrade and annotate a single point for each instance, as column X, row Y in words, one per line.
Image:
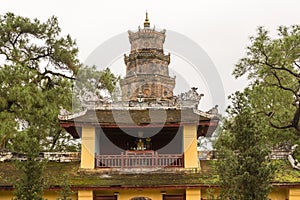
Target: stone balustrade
column 50, row 156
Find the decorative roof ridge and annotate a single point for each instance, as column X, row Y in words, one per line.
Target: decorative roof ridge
column 67, row 116
column 187, row 100
column 143, row 31
column 207, row 114
column 137, row 108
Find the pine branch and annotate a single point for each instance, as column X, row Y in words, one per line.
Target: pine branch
column 280, row 84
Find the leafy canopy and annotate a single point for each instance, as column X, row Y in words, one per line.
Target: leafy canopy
column 273, row 67
column 36, row 69
column 265, row 115
column 35, row 72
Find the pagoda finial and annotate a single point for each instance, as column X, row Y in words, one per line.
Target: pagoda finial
column 146, row 23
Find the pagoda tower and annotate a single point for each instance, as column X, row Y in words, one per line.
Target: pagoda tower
column 147, row 67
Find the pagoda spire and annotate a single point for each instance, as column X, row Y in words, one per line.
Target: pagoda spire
column 147, row 22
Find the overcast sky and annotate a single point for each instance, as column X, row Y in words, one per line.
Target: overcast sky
column 222, row 28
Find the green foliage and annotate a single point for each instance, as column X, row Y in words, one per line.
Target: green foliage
column 108, row 80
column 36, row 72
column 244, row 169
column 265, row 115
column 94, row 84
column 211, row 194
column 273, row 67
column 66, row 192
column 30, row 184
column 38, row 68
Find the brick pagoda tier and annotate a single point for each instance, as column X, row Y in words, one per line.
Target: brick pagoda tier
column 147, row 71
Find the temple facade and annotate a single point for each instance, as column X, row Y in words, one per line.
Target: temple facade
column 150, row 133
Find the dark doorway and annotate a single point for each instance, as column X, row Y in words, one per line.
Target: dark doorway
column 140, row 198
column 105, row 198
column 174, row 197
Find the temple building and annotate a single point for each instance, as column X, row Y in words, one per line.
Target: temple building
column 151, row 132
column 143, row 147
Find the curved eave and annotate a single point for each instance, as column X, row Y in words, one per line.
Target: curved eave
column 205, row 128
column 287, row 185
column 141, row 118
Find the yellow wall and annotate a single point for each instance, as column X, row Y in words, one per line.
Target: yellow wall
column 155, row 194
column 192, row 194
column 190, row 147
column 85, row 195
column 294, row 194
column 49, row 195
column 279, row 194
column 276, row 193
column 6, row 195
column 88, row 148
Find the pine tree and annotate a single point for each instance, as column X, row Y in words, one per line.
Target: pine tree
column 244, row 167
column 36, row 71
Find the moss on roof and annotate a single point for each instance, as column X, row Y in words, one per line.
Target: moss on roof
column 96, row 178
column 285, row 173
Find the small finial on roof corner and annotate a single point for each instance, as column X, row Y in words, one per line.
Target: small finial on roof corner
column 147, row 22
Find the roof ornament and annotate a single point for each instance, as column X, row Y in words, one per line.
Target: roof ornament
column 147, row 22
